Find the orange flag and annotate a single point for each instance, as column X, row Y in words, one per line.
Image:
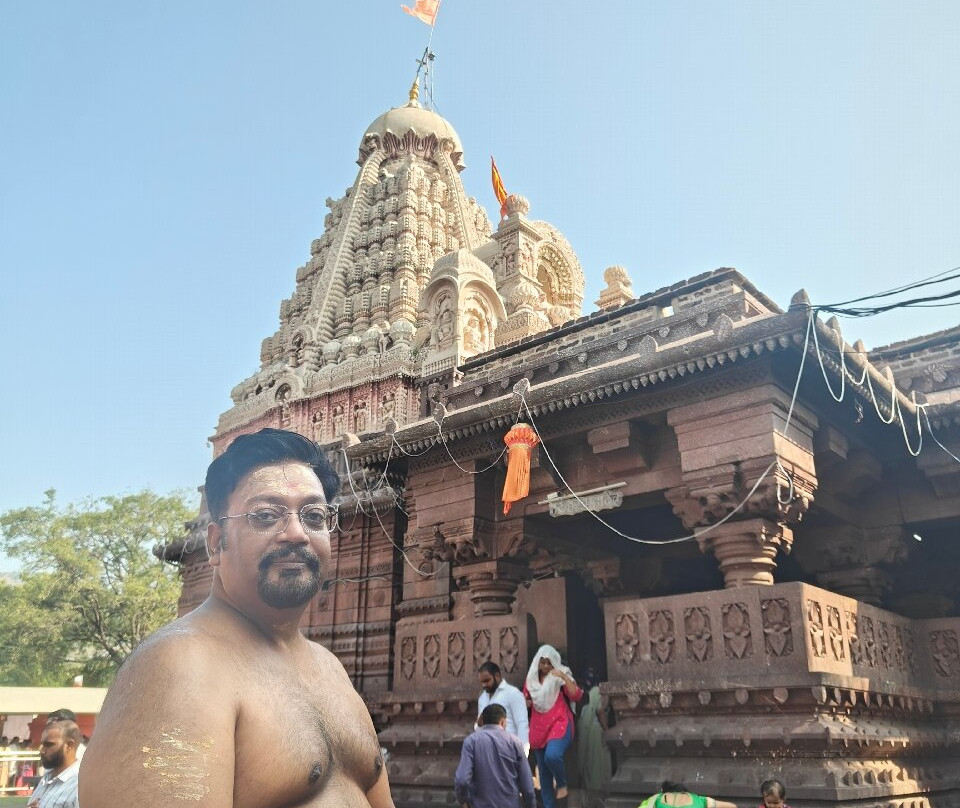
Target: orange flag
column 424, row 10
column 498, row 189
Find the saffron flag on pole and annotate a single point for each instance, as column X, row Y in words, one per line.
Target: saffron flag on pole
column 498, row 189
column 424, row 10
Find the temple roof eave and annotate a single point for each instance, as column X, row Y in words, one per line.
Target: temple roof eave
column 660, row 297
column 623, row 376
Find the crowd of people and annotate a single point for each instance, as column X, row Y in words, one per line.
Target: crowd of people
column 553, row 709
column 543, row 719
column 13, row 772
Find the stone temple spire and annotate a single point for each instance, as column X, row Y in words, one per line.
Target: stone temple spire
column 375, row 301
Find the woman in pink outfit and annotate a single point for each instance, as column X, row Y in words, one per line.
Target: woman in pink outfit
column 549, row 688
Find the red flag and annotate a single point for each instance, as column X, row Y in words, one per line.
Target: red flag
column 498, row 189
column 424, row 10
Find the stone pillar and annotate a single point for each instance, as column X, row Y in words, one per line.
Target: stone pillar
column 492, row 585
column 746, row 550
column 746, row 478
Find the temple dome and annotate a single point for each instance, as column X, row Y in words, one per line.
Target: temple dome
column 412, row 117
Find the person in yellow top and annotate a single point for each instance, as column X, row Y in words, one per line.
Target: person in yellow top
column 676, row 795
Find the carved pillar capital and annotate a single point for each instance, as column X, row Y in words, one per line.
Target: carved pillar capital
column 492, row 585
column 746, row 549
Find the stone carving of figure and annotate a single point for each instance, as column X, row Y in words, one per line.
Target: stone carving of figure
column 388, row 407
column 339, row 421
column 526, row 258
column 360, row 417
column 474, row 338
column 297, row 358
column 443, row 321
column 317, row 422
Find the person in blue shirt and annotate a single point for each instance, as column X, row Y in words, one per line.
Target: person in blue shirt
column 493, row 770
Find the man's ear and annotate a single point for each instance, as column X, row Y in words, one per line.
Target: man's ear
column 215, row 543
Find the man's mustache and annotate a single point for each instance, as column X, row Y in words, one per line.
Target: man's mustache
column 291, row 553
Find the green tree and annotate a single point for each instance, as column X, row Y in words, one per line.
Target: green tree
column 90, row 588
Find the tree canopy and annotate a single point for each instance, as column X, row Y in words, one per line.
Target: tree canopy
column 90, row 588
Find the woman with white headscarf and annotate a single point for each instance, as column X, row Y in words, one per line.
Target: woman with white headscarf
column 549, row 688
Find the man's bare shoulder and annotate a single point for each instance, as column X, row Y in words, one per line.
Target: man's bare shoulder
column 194, row 641
column 171, row 708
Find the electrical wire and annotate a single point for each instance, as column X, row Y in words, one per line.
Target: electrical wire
column 928, row 281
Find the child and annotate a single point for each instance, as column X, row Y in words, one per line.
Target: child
column 774, row 793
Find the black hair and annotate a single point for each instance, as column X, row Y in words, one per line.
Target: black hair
column 492, row 714
column 63, row 714
column 69, row 730
column 490, row 667
column 264, row 448
column 670, row 787
column 773, row 788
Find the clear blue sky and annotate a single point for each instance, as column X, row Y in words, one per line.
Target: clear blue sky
column 165, row 166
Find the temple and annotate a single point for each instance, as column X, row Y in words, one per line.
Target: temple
column 761, row 563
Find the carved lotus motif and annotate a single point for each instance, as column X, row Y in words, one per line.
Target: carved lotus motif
column 408, row 657
column 883, row 641
column 736, row 630
column 869, row 642
column 628, row 638
column 661, row 636
column 777, row 632
column 431, row 655
column 853, row 638
column 815, row 628
column 509, row 649
column 456, row 653
column 835, row 632
column 481, row 647
column 945, row 650
column 696, row 624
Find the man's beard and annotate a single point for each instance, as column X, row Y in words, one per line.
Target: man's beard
column 54, row 760
column 293, row 591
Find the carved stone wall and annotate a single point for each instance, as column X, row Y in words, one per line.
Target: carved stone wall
column 845, row 702
column 432, row 706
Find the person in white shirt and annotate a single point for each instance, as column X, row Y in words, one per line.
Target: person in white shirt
column 496, row 690
column 58, row 754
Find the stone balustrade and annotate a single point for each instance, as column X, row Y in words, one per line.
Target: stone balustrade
column 756, row 635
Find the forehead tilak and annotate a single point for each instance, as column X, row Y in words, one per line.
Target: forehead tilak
column 296, row 481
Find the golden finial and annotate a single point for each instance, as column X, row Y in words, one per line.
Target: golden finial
column 415, row 90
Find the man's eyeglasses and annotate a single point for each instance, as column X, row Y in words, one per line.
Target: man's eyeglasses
column 272, row 520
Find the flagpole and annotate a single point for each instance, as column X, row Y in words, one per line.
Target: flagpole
column 428, row 56
column 424, row 63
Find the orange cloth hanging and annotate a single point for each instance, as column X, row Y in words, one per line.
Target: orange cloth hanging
column 520, row 439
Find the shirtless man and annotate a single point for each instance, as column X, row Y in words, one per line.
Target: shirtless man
column 185, row 719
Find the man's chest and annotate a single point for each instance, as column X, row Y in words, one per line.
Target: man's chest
column 301, row 735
